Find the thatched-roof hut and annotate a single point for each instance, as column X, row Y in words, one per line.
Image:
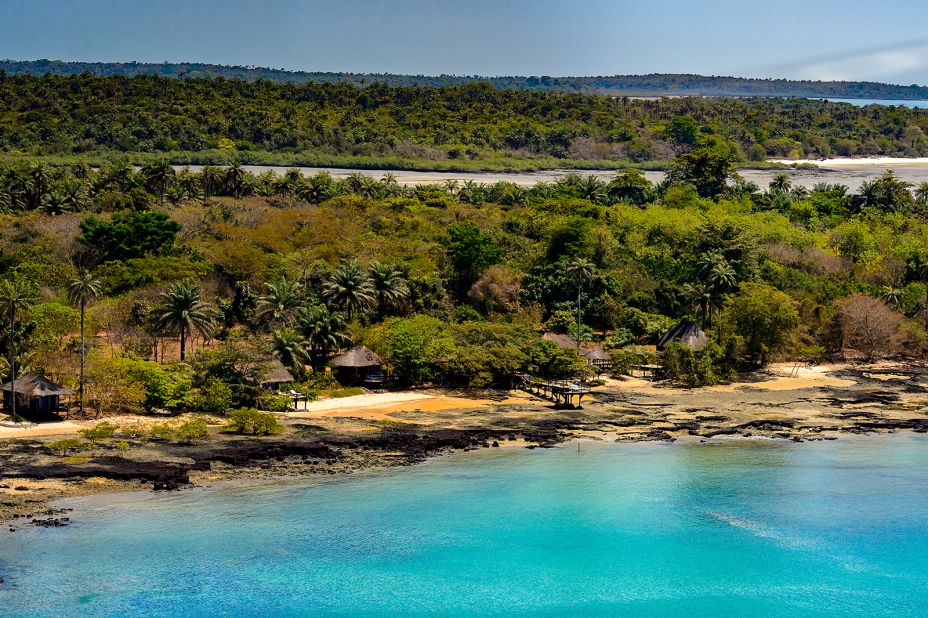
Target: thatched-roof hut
column 359, row 364
column 278, row 375
column 36, row 395
column 598, row 358
column 561, row 341
column 687, row 333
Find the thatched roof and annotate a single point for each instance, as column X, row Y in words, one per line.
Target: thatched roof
column 596, row 354
column 278, row 374
column 358, row 356
column 36, row 385
column 561, row 341
column 687, row 333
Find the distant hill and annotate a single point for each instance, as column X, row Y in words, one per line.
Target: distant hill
column 616, row 85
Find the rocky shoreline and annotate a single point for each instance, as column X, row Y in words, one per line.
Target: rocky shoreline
column 825, row 406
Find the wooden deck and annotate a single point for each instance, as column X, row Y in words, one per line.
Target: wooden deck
column 564, row 393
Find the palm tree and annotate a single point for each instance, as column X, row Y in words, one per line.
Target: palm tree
column 780, row 183
column 798, row 193
column 722, row 277
column 210, row 177
column 718, row 274
column 921, row 193
column 81, row 291
column 350, row 288
column 324, row 331
column 280, row 304
column 234, row 180
column 183, row 311
column 119, row 177
column 451, row 186
column 17, row 296
column 582, row 271
column 390, row 288
column 869, row 194
column 289, row 347
column 700, row 294
column 157, row 176
column 592, row 188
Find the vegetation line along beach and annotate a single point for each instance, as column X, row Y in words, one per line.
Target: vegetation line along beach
column 177, row 327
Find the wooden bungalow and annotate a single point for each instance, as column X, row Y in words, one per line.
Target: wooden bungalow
column 598, row 358
column 36, row 396
column 359, row 365
column 278, row 376
column 687, row 333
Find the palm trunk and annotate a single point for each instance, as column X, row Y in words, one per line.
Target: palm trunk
column 83, row 357
column 12, row 364
column 183, row 341
column 579, row 288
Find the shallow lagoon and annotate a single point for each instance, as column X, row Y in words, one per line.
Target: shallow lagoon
column 739, row 528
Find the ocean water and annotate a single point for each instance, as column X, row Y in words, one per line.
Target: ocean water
column 745, row 528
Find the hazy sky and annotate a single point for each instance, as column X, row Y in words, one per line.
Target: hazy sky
column 883, row 40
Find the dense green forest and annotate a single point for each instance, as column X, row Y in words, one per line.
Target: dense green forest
column 184, row 284
column 473, row 126
column 659, row 84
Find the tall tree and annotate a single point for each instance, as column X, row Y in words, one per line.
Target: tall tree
column 582, row 271
column 82, row 290
column 324, row 331
column 158, row 176
column 471, row 252
column 184, row 312
column 281, row 302
column 780, row 183
column 289, row 347
column 390, row 287
column 707, row 169
column 17, row 297
column 350, row 288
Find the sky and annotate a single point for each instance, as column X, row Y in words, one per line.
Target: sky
column 879, row 40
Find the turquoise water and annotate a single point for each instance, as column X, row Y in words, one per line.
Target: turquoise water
column 740, row 529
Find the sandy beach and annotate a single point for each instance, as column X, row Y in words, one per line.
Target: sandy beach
column 856, row 161
column 786, row 401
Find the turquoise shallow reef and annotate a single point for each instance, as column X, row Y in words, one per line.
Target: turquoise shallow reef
column 745, row 528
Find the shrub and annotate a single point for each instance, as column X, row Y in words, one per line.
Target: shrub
column 61, row 447
column 122, row 445
column 349, row 391
column 868, row 325
column 102, row 431
column 547, row 360
column 275, row 403
column 253, row 422
column 161, row 431
column 193, row 430
column 624, row 359
column 214, row 397
column 132, row 432
column 619, row 338
column 762, row 317
column 688, row 368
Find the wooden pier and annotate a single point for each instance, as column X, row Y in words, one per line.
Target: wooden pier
column 564, row 393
